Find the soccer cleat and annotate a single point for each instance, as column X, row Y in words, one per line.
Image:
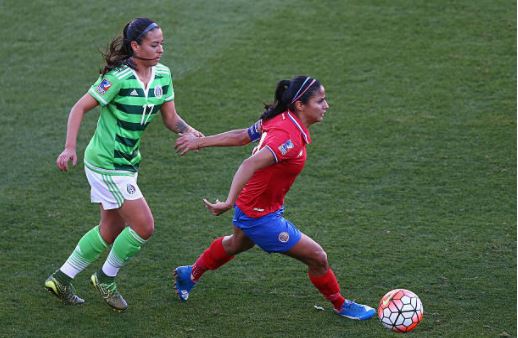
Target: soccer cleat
column 65, row 292
column 356, row 311
column 109, row 293
column 183, row 282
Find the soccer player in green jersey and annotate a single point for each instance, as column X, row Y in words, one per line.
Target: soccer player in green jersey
column 132, row 88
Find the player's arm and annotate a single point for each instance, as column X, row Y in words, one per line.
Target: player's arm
column 248, row 167
column 236, row 137
column 75, row 117
column 188, row 142
column 174, row 122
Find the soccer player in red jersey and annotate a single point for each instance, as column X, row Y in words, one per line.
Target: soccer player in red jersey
column 258, row 189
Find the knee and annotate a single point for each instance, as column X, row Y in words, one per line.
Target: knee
column 234, row 245
column 149, row 230
column 146, row 229
column 319, row 259
column 230, row 245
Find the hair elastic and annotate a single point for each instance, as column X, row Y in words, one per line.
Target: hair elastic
column 297, row 95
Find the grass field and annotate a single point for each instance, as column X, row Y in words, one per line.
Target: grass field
column 410, row 180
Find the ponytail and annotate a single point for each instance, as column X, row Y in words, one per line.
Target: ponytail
column 280, row 102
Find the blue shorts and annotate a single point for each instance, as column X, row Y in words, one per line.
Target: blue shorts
column 272, row 232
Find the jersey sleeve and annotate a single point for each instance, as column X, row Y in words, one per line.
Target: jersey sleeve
column 105, row 89
column 280, row 143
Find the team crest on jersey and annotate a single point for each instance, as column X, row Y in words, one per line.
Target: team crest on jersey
column 103, row 87
column 158, row 92
column 131, row 189
column 284, row 237
column 285, row 147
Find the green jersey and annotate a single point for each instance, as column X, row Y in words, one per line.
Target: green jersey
column 127, row 107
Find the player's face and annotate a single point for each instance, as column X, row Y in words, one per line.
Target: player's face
column 315, row 109
column 151, row 48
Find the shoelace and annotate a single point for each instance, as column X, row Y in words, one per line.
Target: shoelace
column 108, row 289
column 354, row 306
column 69, row 292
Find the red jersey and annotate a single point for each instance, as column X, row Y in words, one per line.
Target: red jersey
column 286, row 137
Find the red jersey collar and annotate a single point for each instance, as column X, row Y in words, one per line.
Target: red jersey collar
column 296, row 121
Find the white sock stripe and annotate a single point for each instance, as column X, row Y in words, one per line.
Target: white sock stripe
column 114, row 260
column 77, row 262
column 76, row 256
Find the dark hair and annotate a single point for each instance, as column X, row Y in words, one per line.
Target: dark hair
column 300, row 88
column 119, row 52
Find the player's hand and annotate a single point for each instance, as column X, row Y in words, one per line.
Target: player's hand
column 185, row 143
column 65, row 156
column 217, row 208
column 196, row 133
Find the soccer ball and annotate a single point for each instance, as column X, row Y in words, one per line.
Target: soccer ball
column 400, row 310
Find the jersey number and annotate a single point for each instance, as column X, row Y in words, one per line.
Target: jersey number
column 146, row 108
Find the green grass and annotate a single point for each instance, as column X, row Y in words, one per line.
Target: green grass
column 410, row 180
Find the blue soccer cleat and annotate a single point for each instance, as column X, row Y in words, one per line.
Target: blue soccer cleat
column 183, row 282
column 356, row 311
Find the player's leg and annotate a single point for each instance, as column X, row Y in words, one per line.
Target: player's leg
column 111, row 224
column 221, row 251
column 87, row 250
column 321, row 275
column 129, row 240
column 126, row 245
column 323, row 278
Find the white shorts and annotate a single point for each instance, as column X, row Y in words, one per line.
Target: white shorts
column 111, row 190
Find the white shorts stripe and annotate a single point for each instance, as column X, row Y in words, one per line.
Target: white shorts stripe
column 113, row 189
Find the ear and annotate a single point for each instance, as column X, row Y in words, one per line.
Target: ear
column 298, row 105
column 134, row 46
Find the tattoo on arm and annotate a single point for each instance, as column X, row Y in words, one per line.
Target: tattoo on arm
column 181, row 126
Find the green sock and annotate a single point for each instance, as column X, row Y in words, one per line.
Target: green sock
column 125, row 246
column 89, row 248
